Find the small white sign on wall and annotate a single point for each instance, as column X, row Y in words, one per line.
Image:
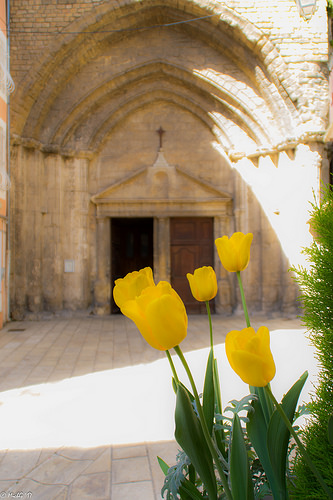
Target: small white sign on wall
column 69, row 266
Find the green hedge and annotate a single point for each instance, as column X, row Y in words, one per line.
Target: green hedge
column 316, row 285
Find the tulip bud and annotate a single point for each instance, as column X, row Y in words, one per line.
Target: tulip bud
column 250, row 356
column 157, row 310
column 234, row 253
column 203, row 283
column 132, row 285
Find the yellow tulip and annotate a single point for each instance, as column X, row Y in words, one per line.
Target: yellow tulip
column 250, row 356
column 234, row 253
column 203, row 283
column 132, row 285
column 159, row 314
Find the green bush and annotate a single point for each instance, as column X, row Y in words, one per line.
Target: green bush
column 330, row 8
column 316, row 285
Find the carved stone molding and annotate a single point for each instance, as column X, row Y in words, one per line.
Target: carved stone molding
column 162, row 190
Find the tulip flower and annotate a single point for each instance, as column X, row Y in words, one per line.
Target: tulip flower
column 250, row 356
column 159, row 314
column 203, row 283
column 234, row 253
column 132, row 285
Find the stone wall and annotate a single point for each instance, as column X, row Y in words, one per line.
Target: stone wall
column 242, row 95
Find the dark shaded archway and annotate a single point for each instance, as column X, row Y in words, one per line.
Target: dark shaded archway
column 131, row 247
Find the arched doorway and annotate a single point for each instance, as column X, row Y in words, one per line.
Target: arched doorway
column 147, row 229
column 220, row 83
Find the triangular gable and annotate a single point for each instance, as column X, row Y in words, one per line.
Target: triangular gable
column 160, row 183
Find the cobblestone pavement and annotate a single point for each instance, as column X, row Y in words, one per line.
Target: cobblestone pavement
column 86, row 405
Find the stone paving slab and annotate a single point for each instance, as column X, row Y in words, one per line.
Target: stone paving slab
column 86, row 405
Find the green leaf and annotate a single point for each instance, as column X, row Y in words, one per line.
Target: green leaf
column 239, row 466
column 191, row 473
column 190, row 437
column 330, row 430
column 278, row 434
column 164, row 466
column 219, row 433
column 271, row 441
column 190, row 490
column 175, row 478
column 208, row 402
column 257, row 433
column 266, row 404
column 217, row 388
column 186, row 489
column 244, row 404
column 175, row 387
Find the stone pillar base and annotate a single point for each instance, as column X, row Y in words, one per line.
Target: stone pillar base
column 102, row 292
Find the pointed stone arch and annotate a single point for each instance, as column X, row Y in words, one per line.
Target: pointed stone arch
column 244, row 45
column 84, row 117
column 206, row 99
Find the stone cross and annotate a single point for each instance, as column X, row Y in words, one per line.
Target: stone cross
column 160, row 132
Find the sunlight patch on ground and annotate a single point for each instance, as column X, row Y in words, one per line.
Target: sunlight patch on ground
column 131, row 404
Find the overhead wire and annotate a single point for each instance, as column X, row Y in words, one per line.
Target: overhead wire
column 119, row 30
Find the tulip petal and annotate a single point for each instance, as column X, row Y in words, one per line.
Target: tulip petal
column 263, row 335
column 203, row 283
column 134, row 312
column 132, row 285
column 250, row 356
column 251, row 368
column 227, row 254
column 192, row 283
column 234, row 253
column 157, row 310
column 244, row 251
column 168, row 320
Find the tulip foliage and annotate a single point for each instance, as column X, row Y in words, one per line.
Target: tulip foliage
column 224, row 455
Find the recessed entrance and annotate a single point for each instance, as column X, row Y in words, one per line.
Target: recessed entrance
column 131, row 247
column 191, row 245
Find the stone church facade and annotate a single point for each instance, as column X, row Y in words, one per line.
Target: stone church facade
column 141, row 130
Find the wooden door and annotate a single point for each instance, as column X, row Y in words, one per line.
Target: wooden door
column 191, row 246
column 131, row 247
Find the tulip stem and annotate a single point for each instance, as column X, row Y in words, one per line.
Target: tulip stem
column 300, row 445
column 204, row 425
column 210, row 324
column 172, row 367
column 217, row 389
column 246, row 314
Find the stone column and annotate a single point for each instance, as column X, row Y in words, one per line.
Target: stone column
column 34, row 242
column 161, row 249
column 225, row 299
column 52, row 235
column 102, row 289
column 18, row 214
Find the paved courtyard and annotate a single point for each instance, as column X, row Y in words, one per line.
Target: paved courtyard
column 86, row 405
